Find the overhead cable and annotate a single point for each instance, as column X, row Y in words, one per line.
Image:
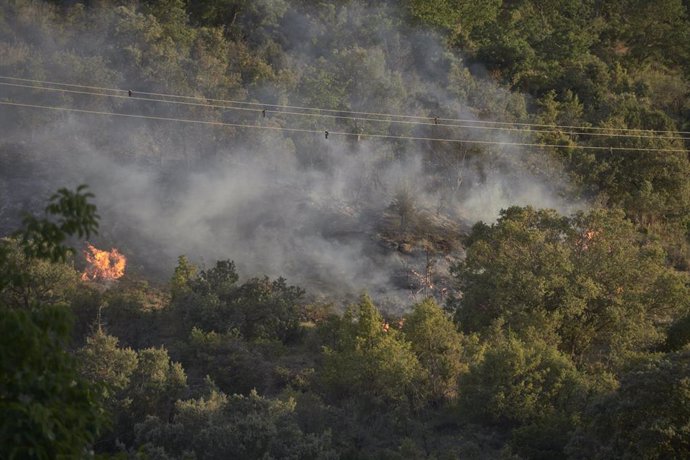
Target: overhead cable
column 132, row 96
column 340, row 133
column 349, row 112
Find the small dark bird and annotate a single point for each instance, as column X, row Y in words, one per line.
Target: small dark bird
column 263, row 113
column 435, row 120
column 130, row 93
column 326, row 133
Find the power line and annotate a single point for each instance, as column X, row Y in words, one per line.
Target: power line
column 337, row 133
column 317, row 109
column 248, row 109
column 152, row 117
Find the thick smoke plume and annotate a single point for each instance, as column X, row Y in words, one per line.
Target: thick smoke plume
column 317, row 211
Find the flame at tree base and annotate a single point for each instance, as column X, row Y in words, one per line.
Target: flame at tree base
column 103, row 265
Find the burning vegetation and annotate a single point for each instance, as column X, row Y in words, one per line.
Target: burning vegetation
column 103, row 265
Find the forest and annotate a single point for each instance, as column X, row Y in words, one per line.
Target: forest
column 346, row 229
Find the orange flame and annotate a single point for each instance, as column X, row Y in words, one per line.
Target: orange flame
column 103, row 265
column 586, row 237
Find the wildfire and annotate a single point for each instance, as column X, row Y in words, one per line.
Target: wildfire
column 587, row 237
column 103, row 265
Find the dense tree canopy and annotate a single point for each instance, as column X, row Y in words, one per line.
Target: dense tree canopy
column 47, row 409
column 646, row 417
column 371, row 360
column 545, row 334
column 590, row 284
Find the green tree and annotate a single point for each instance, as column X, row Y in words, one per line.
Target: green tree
column 459, row 15
column 220, row 427
column 184, row 273
column 518, row 382
column 529, row 41
column 527, row 389
column 371, row 361
column 104, row 362
column 134, row 385
column 47, row 409
column 651, row 186
column 259, row 308
column 229, row 360
column 156, row 383
column 625, row 292
column 134, row 313
column 265, row 309
column 656, row 32
column 678, row 334
column 68, row 214
column 45, row 282
column 590, row 284
column 443, row 352
column 514, row 269
column 647, row 417
column 111, row 367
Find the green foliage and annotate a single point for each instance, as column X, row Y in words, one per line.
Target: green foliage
column 155, row 384
column 647, row 417
column 544, row 439
column 69, row 213
column 371, row 361
column 220, row 427
column 443, row 352
column 102, row 361
column 134, row 384
column 218, row 280
column 258, row 309
column 325, row 89
column 678, row 334
column 132, row 313
column 655, row 32
column 229, row 360
column 519, row 382
column 528, row 40
column 184, row 273
column 650, row 186
column 552, row 111
column 590, row 283
column 564, row 305
column 629, row 290
column 268, row 309
column 43, row 239
column 512, row 267
column 455, row 14
column 47, row 410
column 43, row 282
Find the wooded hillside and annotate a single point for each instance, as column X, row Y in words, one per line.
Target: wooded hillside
column 346, row 229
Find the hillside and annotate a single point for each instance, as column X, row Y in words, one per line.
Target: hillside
column 352, row 229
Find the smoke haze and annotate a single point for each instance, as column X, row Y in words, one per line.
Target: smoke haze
column 314, row 210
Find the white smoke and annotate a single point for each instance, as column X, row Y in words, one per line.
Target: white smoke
column 292, row 205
